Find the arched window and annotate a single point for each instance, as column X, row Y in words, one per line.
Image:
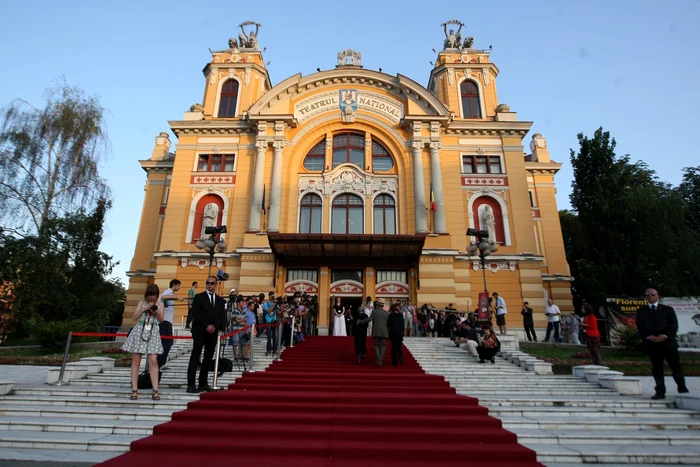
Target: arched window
column 208, row 213
column 229, row 96
column 381, row 159
column 316, row 158
column 471, row 108
column 347, row 215
column 384, row 215
column 348, row 147
column 310, row 214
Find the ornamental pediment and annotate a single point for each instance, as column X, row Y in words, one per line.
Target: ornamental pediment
column 347, row 178
column 376, row 92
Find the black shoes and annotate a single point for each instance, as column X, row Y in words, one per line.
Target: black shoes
column 493, row 360
column 205, row 388
column 658, row 396
column 192, row 390
column 683, row 391
column 482, row 361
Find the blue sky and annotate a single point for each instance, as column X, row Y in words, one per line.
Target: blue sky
column 629, row 66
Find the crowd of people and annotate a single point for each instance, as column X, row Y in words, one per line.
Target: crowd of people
column 209, row 313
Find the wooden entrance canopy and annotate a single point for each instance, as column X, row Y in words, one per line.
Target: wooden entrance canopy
column 346, row 250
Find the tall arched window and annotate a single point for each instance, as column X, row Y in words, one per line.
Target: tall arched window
column 347, row 215
column 471, row 108
column 310, row 214
column 348, row 147
column 229, row 97
column 384, row 215
column 316, row 157
column 381, row 159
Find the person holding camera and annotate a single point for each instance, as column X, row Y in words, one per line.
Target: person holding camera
column 272, row 308
column 144, row 338
column 208, row 318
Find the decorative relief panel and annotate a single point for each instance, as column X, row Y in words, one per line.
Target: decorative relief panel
column 201, row 263
column 495, row 266
column 347, row 288
column 486, row 191
column 347, row 178
column 213, row 190
column 305, row 287
column 394, row 289
column 212, row 179
column 472, row 180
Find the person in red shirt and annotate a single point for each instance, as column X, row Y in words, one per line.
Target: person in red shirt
column 590, row 323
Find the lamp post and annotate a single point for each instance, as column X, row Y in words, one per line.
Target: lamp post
column 483, row 247
column 211, row 244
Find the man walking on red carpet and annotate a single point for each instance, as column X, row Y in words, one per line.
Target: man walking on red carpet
column 380, row 331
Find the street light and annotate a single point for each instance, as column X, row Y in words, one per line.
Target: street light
column 484, row 248
column 211, row 244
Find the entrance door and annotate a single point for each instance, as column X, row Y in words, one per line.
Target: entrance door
column 350, row 303
column 346, row 284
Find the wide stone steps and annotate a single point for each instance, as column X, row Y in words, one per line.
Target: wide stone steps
column 91, row 420
column 567, row 420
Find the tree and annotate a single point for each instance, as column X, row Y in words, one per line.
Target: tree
column 49, row 158
column 59, row 279
column 689, row 189
column 627, row 230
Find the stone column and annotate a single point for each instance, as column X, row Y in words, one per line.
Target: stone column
column 439, row 215
column 418, row 187
column 258, row 182
column 276, row 188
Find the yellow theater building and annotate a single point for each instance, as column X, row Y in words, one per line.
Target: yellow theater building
column 351, row 182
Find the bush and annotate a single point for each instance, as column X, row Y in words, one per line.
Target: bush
column 53, row 335
column 626, row 337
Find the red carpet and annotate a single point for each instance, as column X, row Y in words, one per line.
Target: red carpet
column 317, row 407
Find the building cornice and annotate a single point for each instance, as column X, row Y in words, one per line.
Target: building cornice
column 483, row 127
column 543, row 167
column 151, row 166
column 209, row 127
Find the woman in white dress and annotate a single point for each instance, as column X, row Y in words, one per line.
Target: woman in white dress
column 339, row 318
column 144, row 338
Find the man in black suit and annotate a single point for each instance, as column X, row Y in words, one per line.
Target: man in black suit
column 208, row 317
column 658, row 325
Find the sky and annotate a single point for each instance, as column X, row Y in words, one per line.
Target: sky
column 630, row 66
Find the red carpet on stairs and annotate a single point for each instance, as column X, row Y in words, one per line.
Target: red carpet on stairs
column 317, row 407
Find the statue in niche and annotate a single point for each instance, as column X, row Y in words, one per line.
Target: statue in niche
column 488, row 223
column 211, row 214
column 452, row 39
column 249, row 40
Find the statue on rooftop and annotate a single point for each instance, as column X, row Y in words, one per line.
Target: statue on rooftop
column 453, row 39
column 251, row 38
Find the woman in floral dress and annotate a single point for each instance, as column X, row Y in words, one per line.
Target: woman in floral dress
column 144, row 338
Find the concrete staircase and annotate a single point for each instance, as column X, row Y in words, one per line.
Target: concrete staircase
column 92, row 419
column 566, row 419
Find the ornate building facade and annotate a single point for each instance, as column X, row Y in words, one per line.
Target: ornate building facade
column 351, row 182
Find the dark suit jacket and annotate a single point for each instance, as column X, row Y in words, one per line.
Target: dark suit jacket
column 204, row 314
column 395, row 325
column 527, row 316
column 663, row 321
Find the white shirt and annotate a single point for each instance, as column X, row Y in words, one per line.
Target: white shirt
column 552, row 312
column 168, row 306
column 501, row 306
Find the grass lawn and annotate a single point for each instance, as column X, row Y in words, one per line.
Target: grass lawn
column 43, row 358
column 563, row 358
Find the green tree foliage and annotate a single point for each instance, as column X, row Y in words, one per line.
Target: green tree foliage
column 690, row 191
column 59, row 279
column 49, row 158
column 627, row 230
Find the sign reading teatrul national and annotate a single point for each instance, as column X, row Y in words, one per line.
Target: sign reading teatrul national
column 349, row 101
